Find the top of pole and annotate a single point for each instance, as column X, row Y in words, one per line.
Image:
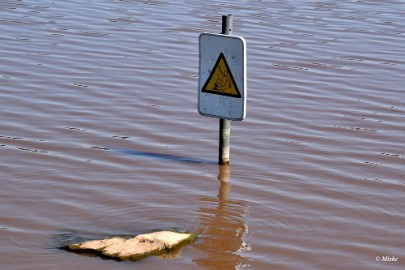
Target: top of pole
column 227, row 21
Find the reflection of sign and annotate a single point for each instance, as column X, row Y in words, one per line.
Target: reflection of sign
column 223, row 223
column 222, row 76
column 221, row 81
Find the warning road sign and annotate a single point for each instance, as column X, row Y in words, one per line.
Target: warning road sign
column 222, row 76
column 221, row 81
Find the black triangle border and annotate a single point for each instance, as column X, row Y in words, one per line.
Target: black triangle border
column 205, row 90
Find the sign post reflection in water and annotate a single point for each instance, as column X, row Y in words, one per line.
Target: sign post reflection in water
column 222, row 81
column 223, row 228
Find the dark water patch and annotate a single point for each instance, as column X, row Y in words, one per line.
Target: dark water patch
column 164, row 156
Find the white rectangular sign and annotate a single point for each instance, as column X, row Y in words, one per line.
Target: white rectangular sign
column 222, row 76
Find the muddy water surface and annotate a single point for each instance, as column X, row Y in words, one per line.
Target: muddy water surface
column 100, row 134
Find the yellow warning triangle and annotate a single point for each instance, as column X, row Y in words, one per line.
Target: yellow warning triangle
column 221, row 81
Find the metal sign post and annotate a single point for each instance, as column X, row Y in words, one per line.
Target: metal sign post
column 222, row 81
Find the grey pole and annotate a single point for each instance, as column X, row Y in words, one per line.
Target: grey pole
column 227, row 21
column 224, row 124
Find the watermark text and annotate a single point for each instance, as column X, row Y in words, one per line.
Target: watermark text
column 386, row 259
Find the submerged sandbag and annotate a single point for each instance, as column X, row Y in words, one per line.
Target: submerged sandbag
column 135, row 248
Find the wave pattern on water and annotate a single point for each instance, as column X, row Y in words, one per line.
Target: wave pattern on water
column 317, row 168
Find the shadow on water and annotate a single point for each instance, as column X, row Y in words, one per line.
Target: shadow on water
column 222, row 228
column 164, row 156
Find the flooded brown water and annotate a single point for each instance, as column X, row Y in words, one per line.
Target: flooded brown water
column 100, row 134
